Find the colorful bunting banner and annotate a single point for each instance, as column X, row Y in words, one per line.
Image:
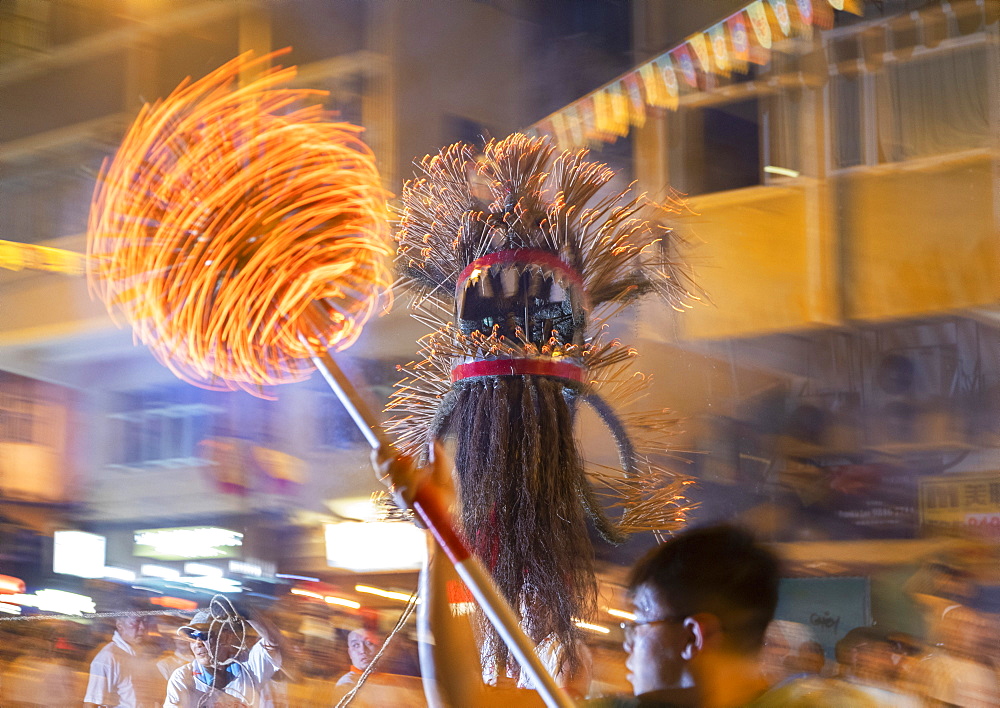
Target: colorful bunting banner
column 744, row 36
column 738, row 41
column 588, row 118
column 560, row 132
column 699, row 44
column 805, row 11
column 654, row 85
column 619, row 110
column 759, row 22
column 854, row 6
column 720, row 48
column 637, row 103
column 780, row 9
column 670, row 82
column 682, row 57
column 574, row 125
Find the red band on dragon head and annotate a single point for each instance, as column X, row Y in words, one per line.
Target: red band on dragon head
column 519, row 367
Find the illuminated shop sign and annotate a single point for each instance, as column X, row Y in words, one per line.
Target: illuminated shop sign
column 188, row 543
column 969, row 501
column 374, row 546
column 59, row 601
column 78, row 553
column 9, row 584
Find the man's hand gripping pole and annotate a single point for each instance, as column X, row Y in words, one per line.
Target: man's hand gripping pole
column 426, row 502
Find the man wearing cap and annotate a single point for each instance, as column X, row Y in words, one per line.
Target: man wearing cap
column 216, row 677
column 121, row 674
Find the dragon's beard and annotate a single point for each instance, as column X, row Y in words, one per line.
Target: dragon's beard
column 521, row 485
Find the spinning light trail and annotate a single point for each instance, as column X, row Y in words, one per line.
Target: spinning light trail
column 238, row 234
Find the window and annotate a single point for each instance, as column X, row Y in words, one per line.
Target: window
column 782, row 129
column 722, row 148
column 162, row 426
column 23, row 28
column 845, row 108
column 18, row 410
column 932, row 102
column 935, row 104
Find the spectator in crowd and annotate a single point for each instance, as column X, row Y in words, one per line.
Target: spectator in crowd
column 122, row 675
column 869, row 666
column 177, row 658
column 362, row 646
column 955, row 672
column 218, row 636
column 809, row 660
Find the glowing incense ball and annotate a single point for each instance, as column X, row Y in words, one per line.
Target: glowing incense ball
column 231, row 224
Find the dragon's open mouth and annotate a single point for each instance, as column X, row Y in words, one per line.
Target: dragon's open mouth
column 524, row 294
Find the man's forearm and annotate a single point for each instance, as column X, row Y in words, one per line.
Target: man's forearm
column 270, row 635
column 449, row 656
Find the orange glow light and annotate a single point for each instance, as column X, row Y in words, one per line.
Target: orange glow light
column 231, row 225
column 174, row 603
column 10, row 585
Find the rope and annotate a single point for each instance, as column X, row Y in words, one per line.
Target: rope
column 98, row 615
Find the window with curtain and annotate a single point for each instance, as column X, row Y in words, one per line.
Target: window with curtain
column 848, row 130
column 935, row 104
column 784, row 130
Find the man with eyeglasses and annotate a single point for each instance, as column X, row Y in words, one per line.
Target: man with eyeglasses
column 218, row 677
column 702, row 603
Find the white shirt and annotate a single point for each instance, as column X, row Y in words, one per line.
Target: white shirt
column 959, row 681
column 190, row 683
column 121, row 678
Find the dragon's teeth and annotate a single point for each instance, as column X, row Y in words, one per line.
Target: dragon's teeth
column 510, row 280
column 535, row 284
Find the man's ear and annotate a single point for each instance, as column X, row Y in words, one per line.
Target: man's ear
column 702, row 629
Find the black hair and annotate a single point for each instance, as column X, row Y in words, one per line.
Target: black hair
column 720, row 570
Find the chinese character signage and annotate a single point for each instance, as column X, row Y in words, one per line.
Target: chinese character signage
column 969, row 501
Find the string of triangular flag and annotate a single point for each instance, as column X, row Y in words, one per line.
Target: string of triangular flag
column 745, row 37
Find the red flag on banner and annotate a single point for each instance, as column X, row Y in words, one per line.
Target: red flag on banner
column 588, row 119
column 682, row 59
column 805, row 8
column 637, row 103
column 822, row 14
column 282, row 472
column 738, row 40
column 228, row 469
